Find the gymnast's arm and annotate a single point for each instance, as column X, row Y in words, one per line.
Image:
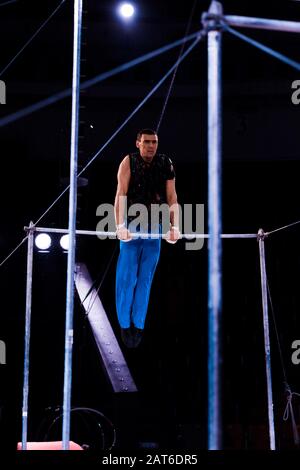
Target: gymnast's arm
column 174, row 211
column 121, row 194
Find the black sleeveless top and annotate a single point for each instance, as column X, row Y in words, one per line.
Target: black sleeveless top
column 148, row 180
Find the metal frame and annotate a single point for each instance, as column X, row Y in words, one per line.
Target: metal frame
column 111, row 354
column 214, row 230
column 72, row 225
column 27, row 335
column 213, row 21
column 31, row 231
column 264, row 295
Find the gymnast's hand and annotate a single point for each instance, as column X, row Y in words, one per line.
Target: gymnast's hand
column 173, row 235
column 123, row 233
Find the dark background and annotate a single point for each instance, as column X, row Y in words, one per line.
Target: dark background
column 260, row 189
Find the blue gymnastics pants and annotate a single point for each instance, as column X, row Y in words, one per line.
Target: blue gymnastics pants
column 136, row 266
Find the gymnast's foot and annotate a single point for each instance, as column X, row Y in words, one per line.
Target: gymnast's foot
column 126, row 337
column 137, row 334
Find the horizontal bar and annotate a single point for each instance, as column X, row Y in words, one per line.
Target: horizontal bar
column 263, row 23
column 140, row 234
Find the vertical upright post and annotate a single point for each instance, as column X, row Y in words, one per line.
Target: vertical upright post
column 72, row 225
column 264, row 294
column 214, row 230
column 27, row 335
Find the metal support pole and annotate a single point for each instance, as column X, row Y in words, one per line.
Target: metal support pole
column 27, row 335
column 264, row 293
column 72, row 225
column 214, row 232
column 263, row 23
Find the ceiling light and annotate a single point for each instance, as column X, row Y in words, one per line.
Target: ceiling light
column 43, row 241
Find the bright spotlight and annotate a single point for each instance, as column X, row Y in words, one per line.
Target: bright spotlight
column 64, row 242
column 43, row 241
column 126, row 10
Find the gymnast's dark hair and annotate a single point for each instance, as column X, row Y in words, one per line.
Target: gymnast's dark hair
column 145, row 131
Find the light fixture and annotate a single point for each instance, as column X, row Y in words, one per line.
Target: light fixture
column 126, row 10
column 43, row 241
column 64, row 242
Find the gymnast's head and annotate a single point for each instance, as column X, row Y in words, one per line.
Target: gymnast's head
column 147, row 143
